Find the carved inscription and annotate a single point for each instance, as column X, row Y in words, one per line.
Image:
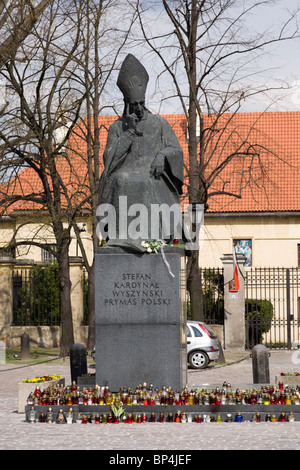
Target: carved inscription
column 136, row 289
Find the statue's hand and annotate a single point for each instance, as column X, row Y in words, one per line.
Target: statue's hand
column 132, row 121
column 131, row 118
column 158, row 165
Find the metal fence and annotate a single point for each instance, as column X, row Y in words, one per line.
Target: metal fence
column 272, row 301
column 212, row 281
column 36, row 296
column 272, row 307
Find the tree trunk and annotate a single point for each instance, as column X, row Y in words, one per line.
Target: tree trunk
column 91, row 303
column 67, row 334
column 194, row 282
column 194, row 287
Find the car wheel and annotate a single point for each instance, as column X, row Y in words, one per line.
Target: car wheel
column 198, row 360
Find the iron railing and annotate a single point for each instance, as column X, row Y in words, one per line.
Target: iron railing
column 272, row 301
column 36, row 296
column 212, row 295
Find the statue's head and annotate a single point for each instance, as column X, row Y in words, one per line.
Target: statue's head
column 132, row 81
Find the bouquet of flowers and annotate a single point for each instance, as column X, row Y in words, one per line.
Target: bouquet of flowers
column 151, row 246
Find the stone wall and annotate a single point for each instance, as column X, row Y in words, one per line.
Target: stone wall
column 43, row 336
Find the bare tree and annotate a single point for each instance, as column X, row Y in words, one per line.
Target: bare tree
column 51, row 127
column 17, row 18
column 206, row 49
column 42, row 101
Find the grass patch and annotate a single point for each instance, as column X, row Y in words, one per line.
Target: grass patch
column 13, row 355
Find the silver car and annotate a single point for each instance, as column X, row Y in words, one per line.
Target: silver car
column 203, row 345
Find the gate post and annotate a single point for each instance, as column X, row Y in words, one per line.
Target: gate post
column 234, row 304
column 76, row 272
column 6, row 296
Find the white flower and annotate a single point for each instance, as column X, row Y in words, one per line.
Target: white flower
column 151, row 246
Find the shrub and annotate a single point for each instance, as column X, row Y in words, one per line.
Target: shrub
column 259, row 315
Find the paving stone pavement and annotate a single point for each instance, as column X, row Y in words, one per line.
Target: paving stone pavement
column 16, row 434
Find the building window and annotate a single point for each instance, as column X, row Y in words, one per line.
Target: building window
column 244, row 246
column 48, row 256
column 298, row 253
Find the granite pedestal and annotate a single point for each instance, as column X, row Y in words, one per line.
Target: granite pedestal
column 140, row 319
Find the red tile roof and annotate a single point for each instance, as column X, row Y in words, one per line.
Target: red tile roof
column 272, row 176
column 267, row 180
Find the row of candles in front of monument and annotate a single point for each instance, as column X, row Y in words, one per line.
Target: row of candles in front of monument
column 179, row 417
column 144, row 395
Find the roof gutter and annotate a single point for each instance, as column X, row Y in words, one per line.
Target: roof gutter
column 253, row 214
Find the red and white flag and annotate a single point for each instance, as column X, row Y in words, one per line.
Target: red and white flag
column 235, row 272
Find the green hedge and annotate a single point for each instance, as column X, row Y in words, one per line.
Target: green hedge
column 259, row 315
